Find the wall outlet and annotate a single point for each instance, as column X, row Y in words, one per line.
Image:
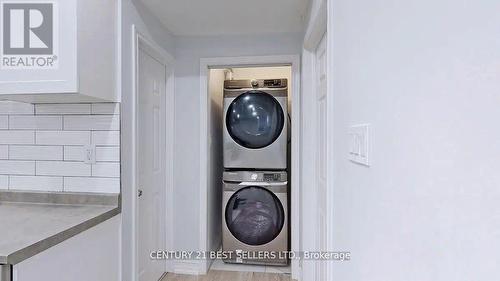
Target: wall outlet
column 359, row 144
column 89, row 154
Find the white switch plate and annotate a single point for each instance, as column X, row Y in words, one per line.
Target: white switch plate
column 156, row 88
column 89, row 154
column 359, row 144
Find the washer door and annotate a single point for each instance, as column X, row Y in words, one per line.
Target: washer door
column 254, row 215
column 255, row 119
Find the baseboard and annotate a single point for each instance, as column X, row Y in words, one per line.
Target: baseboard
column 170, row 266
column 189, row 267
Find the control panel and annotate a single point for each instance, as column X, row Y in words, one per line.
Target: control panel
column 271, row 83
column 271, row 177
column 256, row 83
column 255, row 176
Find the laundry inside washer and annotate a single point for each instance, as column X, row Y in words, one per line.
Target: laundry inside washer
column 255, row 216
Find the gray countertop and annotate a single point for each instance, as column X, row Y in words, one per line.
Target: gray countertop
column 31, row 223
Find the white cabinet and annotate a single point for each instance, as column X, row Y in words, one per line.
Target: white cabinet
column 91, row 255
column 59, row 51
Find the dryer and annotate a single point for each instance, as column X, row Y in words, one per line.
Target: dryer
column 255, row 124
column 255, row 217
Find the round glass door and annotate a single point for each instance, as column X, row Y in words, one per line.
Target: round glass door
column 254, row 215
column 255, row 119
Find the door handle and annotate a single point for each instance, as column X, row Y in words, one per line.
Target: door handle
column 139, row 192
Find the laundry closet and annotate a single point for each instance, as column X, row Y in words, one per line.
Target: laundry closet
column 249, row 192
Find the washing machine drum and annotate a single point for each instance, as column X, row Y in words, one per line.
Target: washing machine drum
column 255, row 119
column 254, row 215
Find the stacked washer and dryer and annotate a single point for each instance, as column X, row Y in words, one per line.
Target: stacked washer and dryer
column 255, row 193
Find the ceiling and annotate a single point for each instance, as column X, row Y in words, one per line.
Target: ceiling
column 229, row 17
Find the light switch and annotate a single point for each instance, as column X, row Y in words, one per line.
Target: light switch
column 89, row 154
column 156, row 88
column 359, row 144
column 363, row 149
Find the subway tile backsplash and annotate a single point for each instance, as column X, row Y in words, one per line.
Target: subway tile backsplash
column 4, row 182
column 38, row 152
column 63, row 137
column 89, row 184
column 63, row 109
column 106, row 138
column 4, row 122
column 92, row 122
column 36, row 183
column 16, row 108
column 17, row 137
column 4, row 152
column 15, row 167
column 27, row 122
column 42, row 147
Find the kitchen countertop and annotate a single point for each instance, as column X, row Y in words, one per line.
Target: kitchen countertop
column 33, row 222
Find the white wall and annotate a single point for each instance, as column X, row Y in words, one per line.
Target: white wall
column 133, row 13
column 262, row 72
column 42, row 147
column 189, row 50
column 426, row 75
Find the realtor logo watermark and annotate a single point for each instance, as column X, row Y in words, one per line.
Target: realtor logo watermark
column 29, row 35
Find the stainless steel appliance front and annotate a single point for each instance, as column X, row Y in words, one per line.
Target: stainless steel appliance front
column 255, row 217
column 255, row 124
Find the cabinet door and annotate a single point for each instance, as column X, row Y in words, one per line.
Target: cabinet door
column 91, row 255
column 39, row 47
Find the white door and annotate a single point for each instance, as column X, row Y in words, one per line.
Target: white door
column 151, row 234
column 321, row 154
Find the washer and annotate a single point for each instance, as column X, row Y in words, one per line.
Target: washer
column 255, row 217
column 255, row 124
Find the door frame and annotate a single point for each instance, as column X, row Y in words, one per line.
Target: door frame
column 318, row 26
column 140, row 41
column 250, row 61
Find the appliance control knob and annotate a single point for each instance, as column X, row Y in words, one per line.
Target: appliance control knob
column 255, row 83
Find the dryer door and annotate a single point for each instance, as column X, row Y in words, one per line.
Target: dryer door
column 255, row 119
column 254, row 215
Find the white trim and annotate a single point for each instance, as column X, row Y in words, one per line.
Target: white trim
column 169, row 141
column 307, row 234
column 188, row 267
column 118, row 94
column 119, row 51
column 204, row 68
column 140, row 41
column 223, row 62
column 317, row 27
column 330, row 146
